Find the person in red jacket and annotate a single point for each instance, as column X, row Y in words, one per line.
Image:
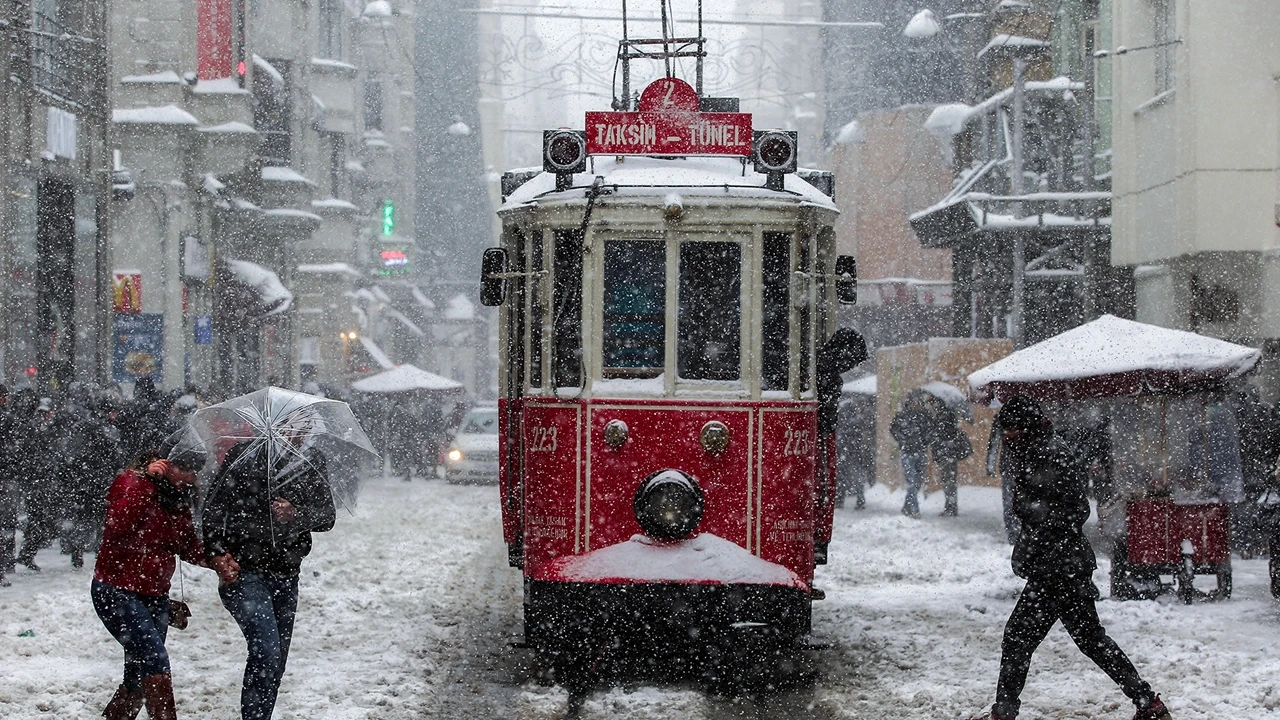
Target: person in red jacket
column 148, row 522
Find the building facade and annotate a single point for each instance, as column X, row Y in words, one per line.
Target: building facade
column 1196, row 126
column 55, row 185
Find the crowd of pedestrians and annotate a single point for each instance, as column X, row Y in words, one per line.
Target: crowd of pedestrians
column 58, row 456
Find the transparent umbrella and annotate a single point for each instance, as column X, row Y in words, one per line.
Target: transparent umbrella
column 288, row 433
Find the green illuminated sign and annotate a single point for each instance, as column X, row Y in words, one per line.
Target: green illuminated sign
column 388, row 217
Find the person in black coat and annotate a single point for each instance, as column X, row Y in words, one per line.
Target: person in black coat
column 1054, row 557
column 950, row 445
column 912, row 428
column 262, row 509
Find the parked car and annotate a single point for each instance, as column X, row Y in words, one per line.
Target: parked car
column 472, row 457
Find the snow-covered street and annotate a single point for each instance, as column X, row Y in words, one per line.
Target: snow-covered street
column 408, row 607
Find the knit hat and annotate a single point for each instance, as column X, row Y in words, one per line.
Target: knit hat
column 1020, row 413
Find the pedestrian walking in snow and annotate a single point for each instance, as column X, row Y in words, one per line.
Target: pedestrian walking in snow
column 912, row 428
column 92, row 458
column 10, row 492
column 44, row 462
column 950, row 445
column 262, row 510
column 1053, row 556
column 997, row 463
column 148, row 522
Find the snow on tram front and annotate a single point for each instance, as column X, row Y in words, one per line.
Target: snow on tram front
column 667, row 288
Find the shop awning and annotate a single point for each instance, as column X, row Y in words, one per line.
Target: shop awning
column 273, row 297
column 406, row 378
column 1112, row 357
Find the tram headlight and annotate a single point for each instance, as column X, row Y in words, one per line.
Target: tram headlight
column 774, row 151
column 564, row 151
column 455, row 455
column 668, row 505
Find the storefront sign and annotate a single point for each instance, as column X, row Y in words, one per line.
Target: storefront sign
column 204, row 329
column 126, row 288
column 139, row 347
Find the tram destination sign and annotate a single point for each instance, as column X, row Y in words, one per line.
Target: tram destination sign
column 668, row 133
column 667, row 121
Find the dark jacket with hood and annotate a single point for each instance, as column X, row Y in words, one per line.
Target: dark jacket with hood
column 1049, row 499
column 238, row 518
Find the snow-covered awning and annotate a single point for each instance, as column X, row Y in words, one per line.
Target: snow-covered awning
column 406, row 378
column 861, row 386
column 408, row 324
column 1113, row 357
column 376, row 353
column 163, row 115
column 274, row 297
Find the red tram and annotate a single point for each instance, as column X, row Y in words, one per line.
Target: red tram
column 666, row 284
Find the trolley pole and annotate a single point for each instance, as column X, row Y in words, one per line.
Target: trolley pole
column 1019, row 301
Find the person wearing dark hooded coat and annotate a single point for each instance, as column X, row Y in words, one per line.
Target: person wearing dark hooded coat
column 262, row 512
column 912, row 428
column 1054, row 557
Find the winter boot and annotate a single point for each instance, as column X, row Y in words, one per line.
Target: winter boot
column 989, row 716
column 157, row 691
column 124, row 705
column 1152, row 709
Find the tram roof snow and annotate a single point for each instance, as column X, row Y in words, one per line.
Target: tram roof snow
column 638, row 176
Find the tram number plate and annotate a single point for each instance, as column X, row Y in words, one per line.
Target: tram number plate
column 543, row 439
column 799, row 442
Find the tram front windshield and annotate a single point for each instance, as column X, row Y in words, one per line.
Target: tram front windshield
column 710, row 311
column 634, row 343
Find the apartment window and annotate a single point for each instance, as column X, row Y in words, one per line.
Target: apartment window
column 272, row 114
column 337, row 163
column 331, row 19
column 1164, row 33
column 373, row 103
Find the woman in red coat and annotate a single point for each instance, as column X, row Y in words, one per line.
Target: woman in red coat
column 148, row 523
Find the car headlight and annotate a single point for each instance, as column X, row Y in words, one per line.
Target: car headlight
column 668, row 505
column 455, row 455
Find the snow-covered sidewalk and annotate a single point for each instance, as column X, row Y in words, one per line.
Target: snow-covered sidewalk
column 915, row 609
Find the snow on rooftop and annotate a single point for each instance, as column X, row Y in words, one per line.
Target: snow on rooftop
column 861, row 386
column 405, row 378
column 404, row 320
column 211, row 184
column 276, row 173
column 220, row 86
column 422, row 299
column 922, row 25
column 275, row 296
column 852, row 133
column 380, row 294
column 163, row 115
column 333, row 204
column 633, row 176
column 167, row 77
column 701, row 559
column 459, row 308
column 293, row 214
column 262, row 65
column 337, row 268
column 231, row 128
column 333, row 64
column 1111, row 346
column 950, row 119
column 1005, row 40
column 377, row 8
column 376, row 353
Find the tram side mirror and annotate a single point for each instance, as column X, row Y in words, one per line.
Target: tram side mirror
column 493, row 284
column 847, row 279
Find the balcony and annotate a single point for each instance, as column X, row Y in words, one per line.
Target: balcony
column 334, row 84
column 67, row 66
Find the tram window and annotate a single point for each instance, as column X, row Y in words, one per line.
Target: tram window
column 567, row 355
column 776, row 310
column 534, row 283
column 803, row 312
column 710, row 311
column 635, row 290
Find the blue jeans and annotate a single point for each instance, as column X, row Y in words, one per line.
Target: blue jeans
column 913, row 467
column 139, row 623
column 264, row 608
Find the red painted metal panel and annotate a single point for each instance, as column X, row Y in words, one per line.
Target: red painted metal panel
column 662, row 437
column 788, row 445
column 213, row 39
column 509, row 487
column 552, row 482
column 1156, row 529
